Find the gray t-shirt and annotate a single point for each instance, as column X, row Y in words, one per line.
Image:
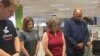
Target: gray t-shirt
column 30, row 40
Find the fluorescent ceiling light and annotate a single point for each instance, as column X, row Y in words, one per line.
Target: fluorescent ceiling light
column 94, row 2
column 90, row 7
column 57, row 5
column 42, row 24
column 64, row 9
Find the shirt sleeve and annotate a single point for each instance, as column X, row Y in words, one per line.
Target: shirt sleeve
column 67, row 34
column 37, row 33
column 11, row 26
column 21, row 36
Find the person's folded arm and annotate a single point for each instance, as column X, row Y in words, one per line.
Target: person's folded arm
column 3, row 53
column 17, row 46
column 64, row 45
column 23, row 49
column 45, row 45
column 37, row 48
column 67, row 33
column 86, row 35
column 38, row 44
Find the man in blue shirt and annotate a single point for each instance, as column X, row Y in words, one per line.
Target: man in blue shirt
column 76, row 34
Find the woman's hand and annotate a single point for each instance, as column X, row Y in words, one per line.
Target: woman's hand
column 16, row 54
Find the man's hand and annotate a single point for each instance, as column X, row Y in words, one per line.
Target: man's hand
column 80, row 45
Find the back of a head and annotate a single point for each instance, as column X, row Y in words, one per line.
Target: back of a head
column 88, row 20
column 7, row 3
column 7, row 8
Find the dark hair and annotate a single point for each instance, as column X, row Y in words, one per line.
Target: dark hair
column 88, row 20
column 8, row 3
column 26, row 20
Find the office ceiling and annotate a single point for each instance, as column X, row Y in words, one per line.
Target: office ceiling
column 41, row 10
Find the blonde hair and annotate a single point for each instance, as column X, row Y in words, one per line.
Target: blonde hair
column 15, row 2
column 52, row 21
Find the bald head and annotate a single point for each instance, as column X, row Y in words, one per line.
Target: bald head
column 77, row 14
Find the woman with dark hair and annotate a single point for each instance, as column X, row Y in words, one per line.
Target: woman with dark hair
column 89, row 43
column 88, row 20
column 89, row 23
column 53, row 39
column 29, row 38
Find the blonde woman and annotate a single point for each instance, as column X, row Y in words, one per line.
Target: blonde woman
column 53, row 39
